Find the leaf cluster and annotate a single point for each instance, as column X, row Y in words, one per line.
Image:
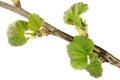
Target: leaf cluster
column 80, row 50
column 81, row 54
column 16, row 32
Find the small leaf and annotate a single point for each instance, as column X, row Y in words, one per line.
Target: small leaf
column 74, row 12
column 79, row 23
column 15, row 33
column 80, row 63
column 72, row 17
column 78, row 50
column 35, row 22
column 95, row 68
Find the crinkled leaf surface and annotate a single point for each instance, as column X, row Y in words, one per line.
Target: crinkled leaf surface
column 35, row 22
column 78, row 50
column 95, row 68
column 80, row 63
column 72, row 17
column 74, row 12
column 15, row 33
column 80, row 45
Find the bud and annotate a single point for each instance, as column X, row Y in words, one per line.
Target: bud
column 17, row 3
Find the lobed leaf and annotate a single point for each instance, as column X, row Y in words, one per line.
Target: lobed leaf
column 78, row 50
column 95, row 68
column 35, row 22
column 72, row 17
column 74, row 12
column 15, row 33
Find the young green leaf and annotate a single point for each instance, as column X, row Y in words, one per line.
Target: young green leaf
column 72, row 17
column 35, row 22
column 95, row 68
column 78, row 50
column 15, row 33
column 74, row 12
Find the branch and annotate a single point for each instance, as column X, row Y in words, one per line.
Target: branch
column 56, row 32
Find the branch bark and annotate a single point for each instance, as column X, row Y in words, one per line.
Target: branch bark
column 56, row 32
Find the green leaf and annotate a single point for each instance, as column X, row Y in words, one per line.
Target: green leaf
column 72, row 17
column 74, row 12
column 95, row 68
column 78, row 22
column 35, row 22
column 80, row 63
column 78, row 50
column 15, row 33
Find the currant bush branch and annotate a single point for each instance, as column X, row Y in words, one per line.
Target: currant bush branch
column 107, row 57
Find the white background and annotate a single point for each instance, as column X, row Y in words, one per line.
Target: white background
column 46, row 58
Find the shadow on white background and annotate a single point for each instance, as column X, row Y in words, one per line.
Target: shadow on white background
column 46, row 58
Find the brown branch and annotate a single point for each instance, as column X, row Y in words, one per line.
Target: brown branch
column 56, row 32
